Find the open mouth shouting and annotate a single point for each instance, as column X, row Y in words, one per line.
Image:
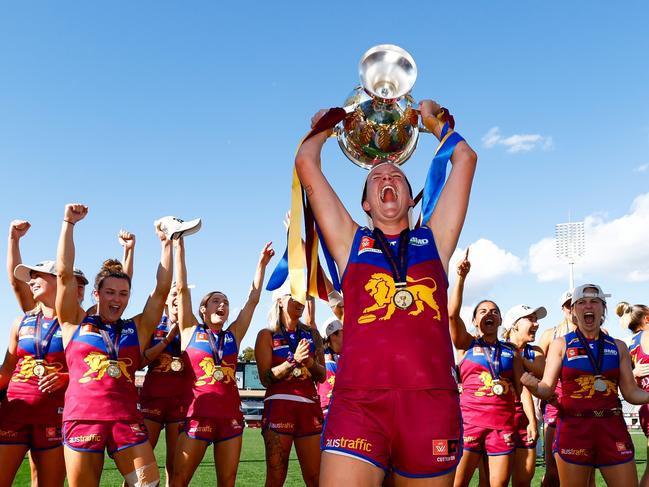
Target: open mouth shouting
column 389, row 194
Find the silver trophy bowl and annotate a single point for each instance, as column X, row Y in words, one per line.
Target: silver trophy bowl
column 381, row 125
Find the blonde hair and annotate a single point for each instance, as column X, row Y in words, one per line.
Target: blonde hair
column 275, row 318
column 631, row 315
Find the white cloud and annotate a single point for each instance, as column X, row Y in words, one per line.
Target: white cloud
column 641, row 168
column 489, row 263
column 517, row 142
column 616, row 248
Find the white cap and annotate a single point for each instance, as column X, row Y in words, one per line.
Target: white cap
column 23, row 272
column 520, row 311
column 176, row 228
column 565, row 297
column 282, row 291
column 331, row 326
column 580, row 292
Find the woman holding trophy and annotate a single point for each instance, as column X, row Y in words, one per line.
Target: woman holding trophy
column 395, row 291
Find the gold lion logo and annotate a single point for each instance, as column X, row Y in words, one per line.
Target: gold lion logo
column 26, row 371
column 98, row 363
column 587, row 384
column 163, row 363
column 382, row 289
column 488, row 383
column 208, row 366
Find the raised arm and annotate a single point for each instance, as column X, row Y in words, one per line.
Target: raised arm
column 127, row 241
column 150, row 316
column 17, row 230
column 68, row 310
column 544, row 389
column 628, row 386
column 335, row 222
column 242, row 323
column 461, row 338
column 186, row 319
column 151, row 353
column 448, row 216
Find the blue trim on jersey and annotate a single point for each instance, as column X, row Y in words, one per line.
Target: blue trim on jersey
column 357, row 455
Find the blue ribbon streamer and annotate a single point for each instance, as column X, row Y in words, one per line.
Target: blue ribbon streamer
column 331, row 264
column 437, row 173
column 280, row 274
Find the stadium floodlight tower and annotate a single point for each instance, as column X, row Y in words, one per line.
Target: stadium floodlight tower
column 570, row 244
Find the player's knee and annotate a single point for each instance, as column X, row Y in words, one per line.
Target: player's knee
column 144, row 476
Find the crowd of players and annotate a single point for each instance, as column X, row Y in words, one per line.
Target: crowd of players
column 382, row 407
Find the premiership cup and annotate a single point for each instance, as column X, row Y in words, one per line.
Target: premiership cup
column 382, row 124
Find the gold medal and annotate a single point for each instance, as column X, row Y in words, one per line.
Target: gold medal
column 600, row 384
column 39, row 369
column 498, row 389
column 113, row 370
column 218, row 374
column 176, row 364
column 297, row 372
column 403, row 299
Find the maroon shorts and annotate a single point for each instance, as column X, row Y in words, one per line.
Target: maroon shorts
column 643, row 415
column 163, row 409
column 488, row 440
column 292, row 417
column 596, row 442
column 35, row 436
column 521, row 440
column 416, row 433
column 95, row 436
column 213, row 430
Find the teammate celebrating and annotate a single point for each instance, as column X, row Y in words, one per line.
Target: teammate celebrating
column 592, row 365
column 490, row 374
column 395, row 287
column 162, row 397
column 210, row 352
column 290, row 361
column 103, row 352
column 333, row 344
column 520, row 327
column 636, row 318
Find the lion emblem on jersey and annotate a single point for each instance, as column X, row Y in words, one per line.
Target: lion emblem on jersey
column 209, row 367
column 26, row 370
column 382, row 289
column 587, row 384
column 98, row 363
column 163, row 363
column 488, row 383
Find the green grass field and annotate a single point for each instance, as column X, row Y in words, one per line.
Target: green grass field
column 252, row 466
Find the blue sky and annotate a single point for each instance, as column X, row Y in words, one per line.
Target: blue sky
column 145, row 109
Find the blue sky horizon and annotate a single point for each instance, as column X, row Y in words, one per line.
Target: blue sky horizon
column 146, row 109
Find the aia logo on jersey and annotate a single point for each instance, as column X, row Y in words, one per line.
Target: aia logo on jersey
column 445, row 447
column 575, row 353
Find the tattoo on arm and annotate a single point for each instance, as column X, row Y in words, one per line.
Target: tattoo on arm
column 309, row 190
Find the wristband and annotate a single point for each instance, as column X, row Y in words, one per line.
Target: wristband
column 68, row 221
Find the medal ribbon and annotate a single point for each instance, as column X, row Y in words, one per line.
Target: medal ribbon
column 398, row 265
column 112, row 346
column 217, row 350
column 492, row 362
column 42, row 345
column 597, row 365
